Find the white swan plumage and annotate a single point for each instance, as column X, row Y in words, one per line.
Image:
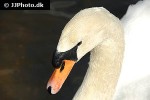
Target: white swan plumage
column 134, row 82
column 97, row 30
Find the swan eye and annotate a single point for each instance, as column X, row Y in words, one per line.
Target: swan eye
column 79, row 43
column 58, row 57
column 62, row 66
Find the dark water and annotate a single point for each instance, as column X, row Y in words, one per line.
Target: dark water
column 27, row 41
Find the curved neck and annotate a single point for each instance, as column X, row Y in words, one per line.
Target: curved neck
column 103, row 72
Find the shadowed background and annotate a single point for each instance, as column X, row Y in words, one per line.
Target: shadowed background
column 27, row 41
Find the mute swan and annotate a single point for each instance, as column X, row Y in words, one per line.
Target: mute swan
column 98, row 31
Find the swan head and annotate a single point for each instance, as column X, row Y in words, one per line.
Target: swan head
column 80, row 35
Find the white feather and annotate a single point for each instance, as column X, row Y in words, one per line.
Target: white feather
column 135, row 75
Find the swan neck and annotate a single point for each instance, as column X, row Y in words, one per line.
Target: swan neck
column 103, row 72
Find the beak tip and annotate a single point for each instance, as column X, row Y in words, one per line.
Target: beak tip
column 49, row 90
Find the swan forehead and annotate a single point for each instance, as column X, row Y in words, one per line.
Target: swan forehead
column 86, row 22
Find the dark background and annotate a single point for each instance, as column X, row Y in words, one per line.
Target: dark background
column 27, row 41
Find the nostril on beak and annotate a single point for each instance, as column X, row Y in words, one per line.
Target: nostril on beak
column 49, row 89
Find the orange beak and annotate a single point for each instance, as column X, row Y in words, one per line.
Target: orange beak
column 59, row 76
